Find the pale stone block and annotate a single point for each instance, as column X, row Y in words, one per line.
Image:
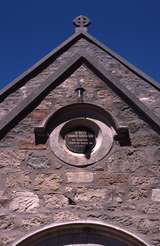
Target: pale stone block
column 156, row 195
column 79, row 177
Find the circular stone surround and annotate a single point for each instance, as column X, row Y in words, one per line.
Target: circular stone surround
column 100, row 144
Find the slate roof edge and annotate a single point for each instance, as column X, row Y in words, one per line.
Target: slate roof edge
column 20, row 80
column 30, row 102
column 122, row 60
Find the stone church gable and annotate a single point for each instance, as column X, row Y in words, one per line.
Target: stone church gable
column 42, row 182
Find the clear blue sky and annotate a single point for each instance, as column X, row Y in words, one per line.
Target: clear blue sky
column 29, row 29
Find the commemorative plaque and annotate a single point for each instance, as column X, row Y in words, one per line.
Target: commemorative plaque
column 80, row 140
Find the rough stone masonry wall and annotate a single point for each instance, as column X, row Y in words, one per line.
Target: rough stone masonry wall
column 37, row 189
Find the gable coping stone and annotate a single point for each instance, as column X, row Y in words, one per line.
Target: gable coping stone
column 30, row 102
column 23, row 78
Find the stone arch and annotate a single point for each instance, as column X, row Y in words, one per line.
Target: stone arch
column 80, row 110
column 81, row 233
column 77, row 110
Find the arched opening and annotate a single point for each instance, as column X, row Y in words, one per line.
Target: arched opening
column 81, row 233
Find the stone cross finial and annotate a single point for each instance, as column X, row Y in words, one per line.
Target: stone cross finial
column 81, row 22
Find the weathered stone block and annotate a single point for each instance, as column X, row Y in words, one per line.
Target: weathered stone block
column 90, row 195
column 143, row 226
column 7, row 222
column 47, row 184
column 37, row 161
column 11, row 157
column 124, row 219
column 65, row 216
column 103, row 179
column 31, row 221
column 4, row 198
column 18, row 180
column 143, row 181
column 24, row 201
column 55, row 201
